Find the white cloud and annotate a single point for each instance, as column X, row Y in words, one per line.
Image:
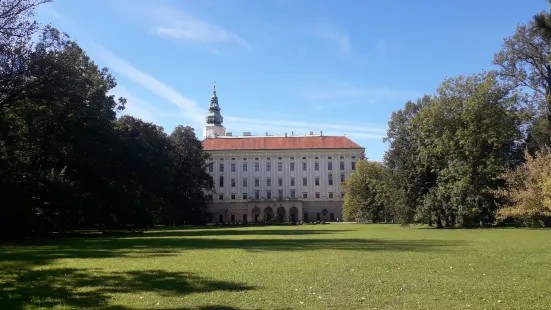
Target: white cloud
column 173, row 24
column 260, row 126
column 339, row 38
column 188, row 107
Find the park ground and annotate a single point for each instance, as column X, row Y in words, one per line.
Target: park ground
column 336, row 266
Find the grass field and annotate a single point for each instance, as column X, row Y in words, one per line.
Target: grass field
column 337, row 266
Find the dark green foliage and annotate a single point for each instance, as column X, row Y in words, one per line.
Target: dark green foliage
column 447, row 151
column 66, row 162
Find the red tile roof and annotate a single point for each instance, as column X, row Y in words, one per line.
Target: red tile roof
column 279, row 143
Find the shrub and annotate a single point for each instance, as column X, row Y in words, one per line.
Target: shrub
column 527, row 196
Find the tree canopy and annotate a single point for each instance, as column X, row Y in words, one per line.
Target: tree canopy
column 66, row 160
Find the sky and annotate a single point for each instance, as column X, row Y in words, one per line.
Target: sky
column 340, row 67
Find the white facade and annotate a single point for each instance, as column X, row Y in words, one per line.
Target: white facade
column 308, row 179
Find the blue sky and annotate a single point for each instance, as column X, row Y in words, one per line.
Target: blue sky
column 286, row 65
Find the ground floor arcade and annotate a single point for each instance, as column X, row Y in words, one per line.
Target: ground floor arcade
column 276, row 211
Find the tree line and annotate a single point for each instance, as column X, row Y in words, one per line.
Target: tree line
column 66, row 161
column 474, row 153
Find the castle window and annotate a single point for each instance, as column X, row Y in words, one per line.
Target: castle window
column 342, row 165
column 330, row 165
column 292, row 193
column 280, row 182
column 221, row 167
column 303, row 166
column 269, row 194
column 330, row 195
column 330, row 157
column 342, row 177
column 292, row 166
column 244, row 167
column 256, row 166
column 268, row 166
column 245, row 182
column 279, row 158
column 279, row 166
column 256, row 182
column 244, row 195
column 304, row 195
column 280, row 194
column 221, row 197
column 317, row 181
column 330, row 179
column 353, row 165
column 292, row 181
column 316, row 166
column 318, row 195
column 232, row 167
column 268, row 182
column 304, row 181
column 232, row 196
column 221, row 181
column 232, row 182
column 256, row 194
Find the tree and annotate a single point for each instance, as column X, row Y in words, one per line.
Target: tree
column 55, row 113
column 16, row 23
column 527, row 195
column 468, row 136
column 368, row 193
column 411, row 176
column 190, row 180
column 524, row 62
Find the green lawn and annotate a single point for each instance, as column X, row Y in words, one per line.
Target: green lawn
column 336, row 266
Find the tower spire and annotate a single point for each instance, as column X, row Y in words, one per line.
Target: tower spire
column 214, row 117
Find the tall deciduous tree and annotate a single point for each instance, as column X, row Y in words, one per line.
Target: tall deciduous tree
column 524, row 62
column 469, row 135
column 411, row 177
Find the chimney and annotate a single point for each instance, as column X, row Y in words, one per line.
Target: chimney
column 285, row 135
column 292, row 133
column 311, row 133
column 321, row 133
column 266, row 133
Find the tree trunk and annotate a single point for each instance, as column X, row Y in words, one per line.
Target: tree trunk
column 439, row 222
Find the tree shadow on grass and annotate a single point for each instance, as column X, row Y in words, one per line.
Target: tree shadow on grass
column 26, row 279
column 216, row 231
column 148, row 245
column 92, row 288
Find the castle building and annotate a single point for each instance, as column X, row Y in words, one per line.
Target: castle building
column 285, row 178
